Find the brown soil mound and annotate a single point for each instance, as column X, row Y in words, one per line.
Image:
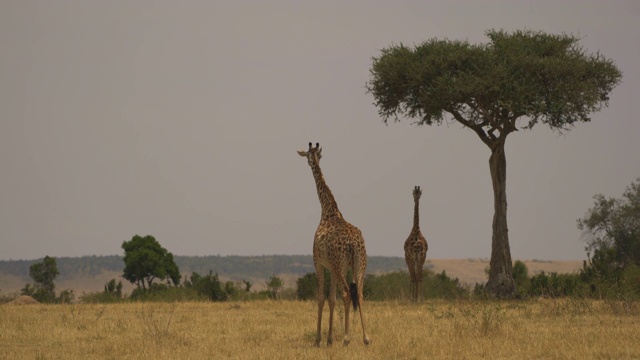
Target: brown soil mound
column 23, row 300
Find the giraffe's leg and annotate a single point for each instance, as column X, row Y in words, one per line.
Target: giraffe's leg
column 412, row 276
column 415, row 291
column 413, row 287
column 320, row 275
column 421, row 273
column 347, row 306
column 332, row 305
column 418, row 279
column 414, row 283
column 418, row 282
column 342, row 281
column 360, row 285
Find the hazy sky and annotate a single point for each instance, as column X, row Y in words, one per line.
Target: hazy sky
column 181, row 119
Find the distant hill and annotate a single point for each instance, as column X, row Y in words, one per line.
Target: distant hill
column 90, row 273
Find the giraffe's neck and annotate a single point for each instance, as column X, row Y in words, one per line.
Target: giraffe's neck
column 327, row 201
column 416, row 216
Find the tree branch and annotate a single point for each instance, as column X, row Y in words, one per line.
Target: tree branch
column 488, row 120
column 478, row 129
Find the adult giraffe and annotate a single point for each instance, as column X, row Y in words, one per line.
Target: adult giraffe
column 337, row 246
column 415, row 249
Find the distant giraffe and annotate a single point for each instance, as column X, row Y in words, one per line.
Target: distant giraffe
column 415, row 249
column 337, row 246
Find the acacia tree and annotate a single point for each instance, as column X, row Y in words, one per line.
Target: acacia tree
column 145, row 260
column 516, row 80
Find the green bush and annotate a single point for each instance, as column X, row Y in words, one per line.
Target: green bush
column 209, row 286
column 395, row 286
column 112, row 293
column 389, row 286
column 99, row 298
column 556, row 285
column 66, row 297
column 521, row 278
column 164, row 293
column 442, row 286
column 307, row 286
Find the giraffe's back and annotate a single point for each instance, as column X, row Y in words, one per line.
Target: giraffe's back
column 338, row 242
column 416, row 244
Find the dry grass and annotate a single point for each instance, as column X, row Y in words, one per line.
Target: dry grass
column 540, row 329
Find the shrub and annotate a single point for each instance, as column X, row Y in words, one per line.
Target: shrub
column 274, row 284
column 208, row 286
column 555, row 285
column 521, row 278
column 395, row 286
column 112, row 293
column 307, row 286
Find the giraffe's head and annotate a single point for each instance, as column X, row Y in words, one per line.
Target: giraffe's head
column 313, row 155
column 417, row 193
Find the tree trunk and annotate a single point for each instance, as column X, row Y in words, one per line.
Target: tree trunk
column 501, row 273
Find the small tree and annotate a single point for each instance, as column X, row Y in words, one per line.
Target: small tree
column 113, row 289
column 43, row 274
column 490, row 89
column 247, row 285
column 145, row 260
column 613, row 225
column 611, row 229
column 274, row 285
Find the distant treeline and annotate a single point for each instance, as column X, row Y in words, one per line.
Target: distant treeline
column 230, row 267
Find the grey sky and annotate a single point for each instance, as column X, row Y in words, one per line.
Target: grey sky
column 182, row 120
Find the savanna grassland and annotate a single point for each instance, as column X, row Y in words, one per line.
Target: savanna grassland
column 465, row 329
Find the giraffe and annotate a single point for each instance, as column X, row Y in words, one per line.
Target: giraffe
column 415, row 249
column 337, row 246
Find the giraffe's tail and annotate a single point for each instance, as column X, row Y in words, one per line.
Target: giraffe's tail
column 353, row 289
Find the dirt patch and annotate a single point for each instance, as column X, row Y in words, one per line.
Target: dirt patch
column 23, row 300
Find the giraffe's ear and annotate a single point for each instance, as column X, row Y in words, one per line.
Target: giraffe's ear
column 302, row 153
column 319, row 153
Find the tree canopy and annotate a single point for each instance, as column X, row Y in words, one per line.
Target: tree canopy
column 145, row 260
column 542, row 77
column 45, row 272
column 516, row 80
